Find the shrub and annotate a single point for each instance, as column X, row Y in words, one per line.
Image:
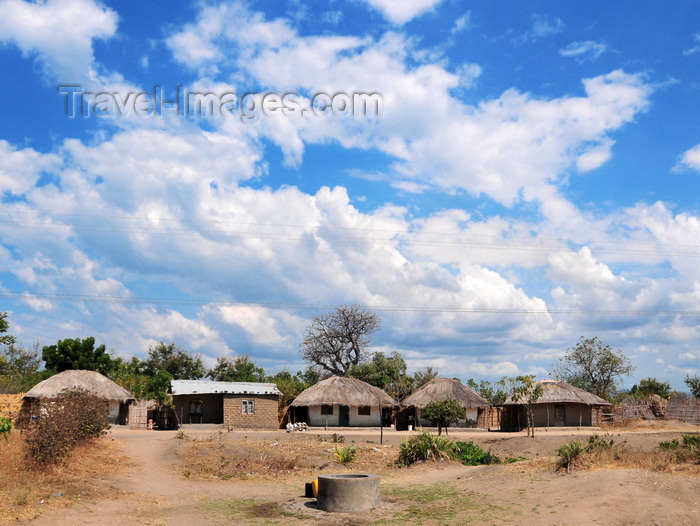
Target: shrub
column 62, row 423
column 425, row 447
column 345, row 454
column 5, row 428
column 596, row 442
column 670, row 445
column 569, row 454
column 469, row 454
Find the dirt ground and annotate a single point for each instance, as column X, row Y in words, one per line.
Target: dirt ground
column 160, row 488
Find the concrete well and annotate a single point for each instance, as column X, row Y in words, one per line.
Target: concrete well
column 348, row 492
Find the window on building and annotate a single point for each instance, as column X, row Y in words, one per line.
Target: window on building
column 364, row 410
column 248, row 407
column 326, row 409
column 196, row 407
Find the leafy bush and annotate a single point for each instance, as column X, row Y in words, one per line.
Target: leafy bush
column 598, row 442
column 570, row 453
column 670, row 445
column 469, row 454
column 345, row 454
column 691, row 442
column 425, row 447
column 5, row 428
column 62, row 423
column 443, row 412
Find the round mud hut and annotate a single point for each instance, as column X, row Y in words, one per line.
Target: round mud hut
column 116, row 396
column 434, row 391
column 342, row 402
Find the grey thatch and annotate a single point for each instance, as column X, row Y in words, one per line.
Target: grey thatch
column 343, row 391
column 557, row 392
column 87, row 380
column 441, row 388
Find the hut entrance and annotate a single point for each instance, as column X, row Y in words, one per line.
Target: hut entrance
column 344, row 416
column 559, row 415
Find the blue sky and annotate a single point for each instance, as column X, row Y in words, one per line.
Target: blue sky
column 533, row 178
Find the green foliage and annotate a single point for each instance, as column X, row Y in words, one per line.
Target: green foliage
column 686, row 449
column 238, row 369
column 74, row 354
column 339, row 339
column 386, row 372
column 594, row 367
column 180, row 364
column 670, row 445
column 291, row 385
column 423, row 447
column 569, row 454
column 5, row 339
column 693, row 383
column 600, row 442
column 423, row 376
column 651, row 386
column 132, row 376
column 495, row 393
column 443, row 412
column 19, row 368
column 469, row 454
column 5, row 428
column 345, row 454
column 526, row 391
column 337, row 439
column 59, row 425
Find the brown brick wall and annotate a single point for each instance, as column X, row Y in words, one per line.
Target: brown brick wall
column 265, row 416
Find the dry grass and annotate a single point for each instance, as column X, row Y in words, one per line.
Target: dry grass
column 25, row 492
column 10, row 405
column 217, row 458
column 628, row 458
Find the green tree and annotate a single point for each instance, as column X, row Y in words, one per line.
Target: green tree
column 5, row 339
column 594, row 367
column 291, row 385
column 495, row 393
column 339, row 339
column 423, row 376
column 238, row 369
column 19, row 368
column 526, row 391
column 443, row 413
column 693, row 383
column 180, row 364
column 386, row 372
column 651, row 386
column 73, row 354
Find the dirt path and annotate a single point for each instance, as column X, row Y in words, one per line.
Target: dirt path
column 151, row 493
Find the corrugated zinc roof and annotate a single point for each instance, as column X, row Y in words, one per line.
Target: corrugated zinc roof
column 185, row 387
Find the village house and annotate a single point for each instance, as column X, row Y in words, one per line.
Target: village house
column 117, row 398
column 342, row 402
column 434, row 391
column 561, row 404
column 234, row 404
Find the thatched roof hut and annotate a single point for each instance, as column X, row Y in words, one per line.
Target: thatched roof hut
column 87, row 380
column 116, row 396
column 560, row 404
column 434, row 391
column 339, row 401
column 339, row 390
column 441, row 388
column 558, row 392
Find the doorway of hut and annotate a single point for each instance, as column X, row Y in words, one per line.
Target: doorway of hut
column 344, row 416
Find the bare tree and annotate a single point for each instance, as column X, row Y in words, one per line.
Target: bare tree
column 336, row 340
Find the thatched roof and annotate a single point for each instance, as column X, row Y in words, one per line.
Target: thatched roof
column 441, row 388
column 343, row 391
column 556, row 392
column 88, row 380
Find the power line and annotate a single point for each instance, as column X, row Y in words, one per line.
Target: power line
column 399, row 237
column 135, row 300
